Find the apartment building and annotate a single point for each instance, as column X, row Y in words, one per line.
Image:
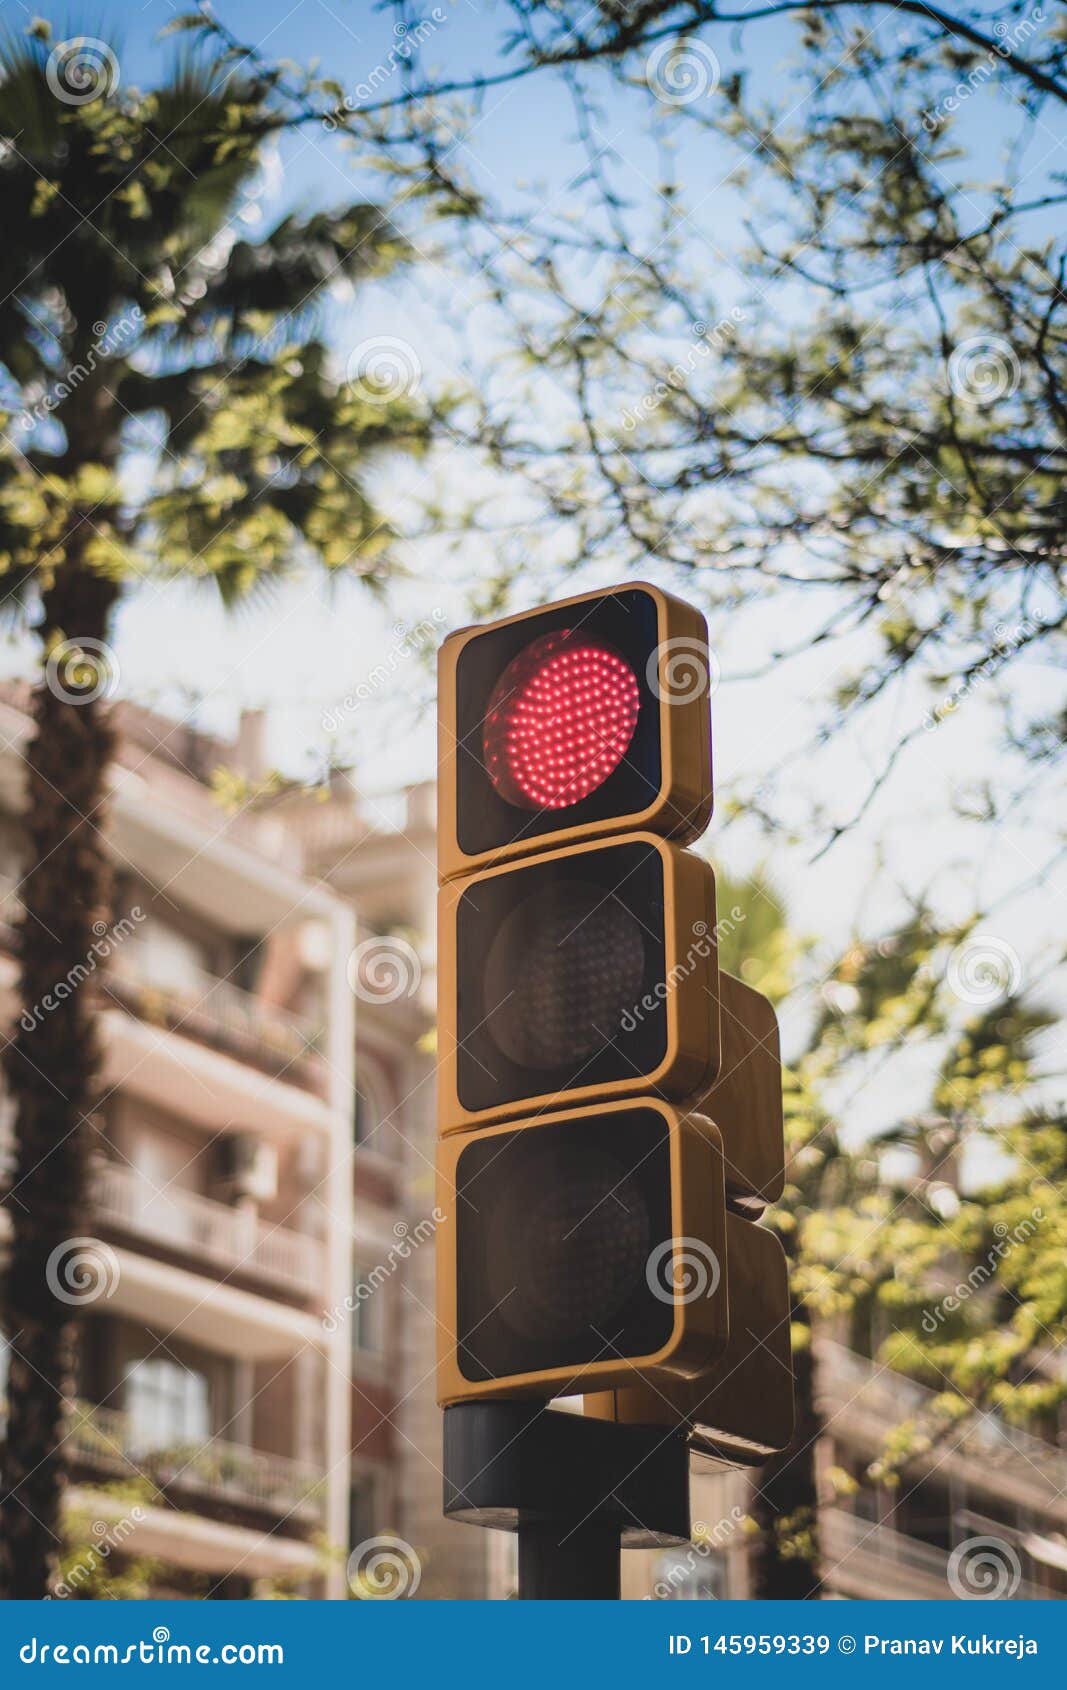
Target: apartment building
column 262, row 1367
column 222, row 1194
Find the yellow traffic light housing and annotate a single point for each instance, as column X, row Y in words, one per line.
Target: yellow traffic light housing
column 740, row 1408
column 580, row 1250
column 587, row 717
column 745, row 1101
column 609, row 1107
column 577, row 975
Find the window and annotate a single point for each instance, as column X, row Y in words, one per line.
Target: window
column 168, row 959
column 362, row 1508
column 366, row 1116
column 371, row 1109
column 5, row 1368
column 167, row 1404
column 368, row 1310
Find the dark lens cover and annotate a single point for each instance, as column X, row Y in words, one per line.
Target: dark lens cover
column 556, row 1226
column 558, row 965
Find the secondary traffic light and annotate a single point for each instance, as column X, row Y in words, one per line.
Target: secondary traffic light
column 740, row 1407
column 586, row 973
column 584, row 1249
column 745, row 1101
column 588, row 717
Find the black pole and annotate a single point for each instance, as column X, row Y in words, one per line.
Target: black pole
column 577, row 1491
column 558, row 1563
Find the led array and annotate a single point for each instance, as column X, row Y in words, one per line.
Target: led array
column 560, row 720
column 569, row 1242
column 561, row 974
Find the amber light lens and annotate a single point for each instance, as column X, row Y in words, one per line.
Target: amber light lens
column 560, row 720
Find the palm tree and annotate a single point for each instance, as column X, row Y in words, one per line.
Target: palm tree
column 170, row 411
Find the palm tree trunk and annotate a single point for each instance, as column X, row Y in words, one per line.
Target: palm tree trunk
column 784, row 1498
column 52, row 1066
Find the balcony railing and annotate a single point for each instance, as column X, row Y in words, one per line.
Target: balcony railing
column 104, row 1440
column 7, row 1139
column 207, row 1008
column 848, row 1383
column 217, row 1012
column 220, row 1238
column 871, row 1560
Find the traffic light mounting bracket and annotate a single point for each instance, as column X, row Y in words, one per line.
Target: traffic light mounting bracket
column 575, row 1490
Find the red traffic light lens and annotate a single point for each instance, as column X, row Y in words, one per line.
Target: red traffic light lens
column 560, row 720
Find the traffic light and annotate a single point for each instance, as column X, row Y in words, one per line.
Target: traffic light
column 588, row 717
column 585, row 973
column 582, row 1249
column 740, row 1407
column 609, row 1106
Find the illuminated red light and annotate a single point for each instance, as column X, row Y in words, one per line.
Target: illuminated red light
column 560, row 720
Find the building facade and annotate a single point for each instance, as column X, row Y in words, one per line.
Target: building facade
column 220, row 1194
column 257, row 1368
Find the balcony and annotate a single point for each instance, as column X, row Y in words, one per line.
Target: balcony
column 865, row 1560
column 103, row 1441
column 863, row 1402
column 209, row 1009
column 220, row 1014
column 221, row 1240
